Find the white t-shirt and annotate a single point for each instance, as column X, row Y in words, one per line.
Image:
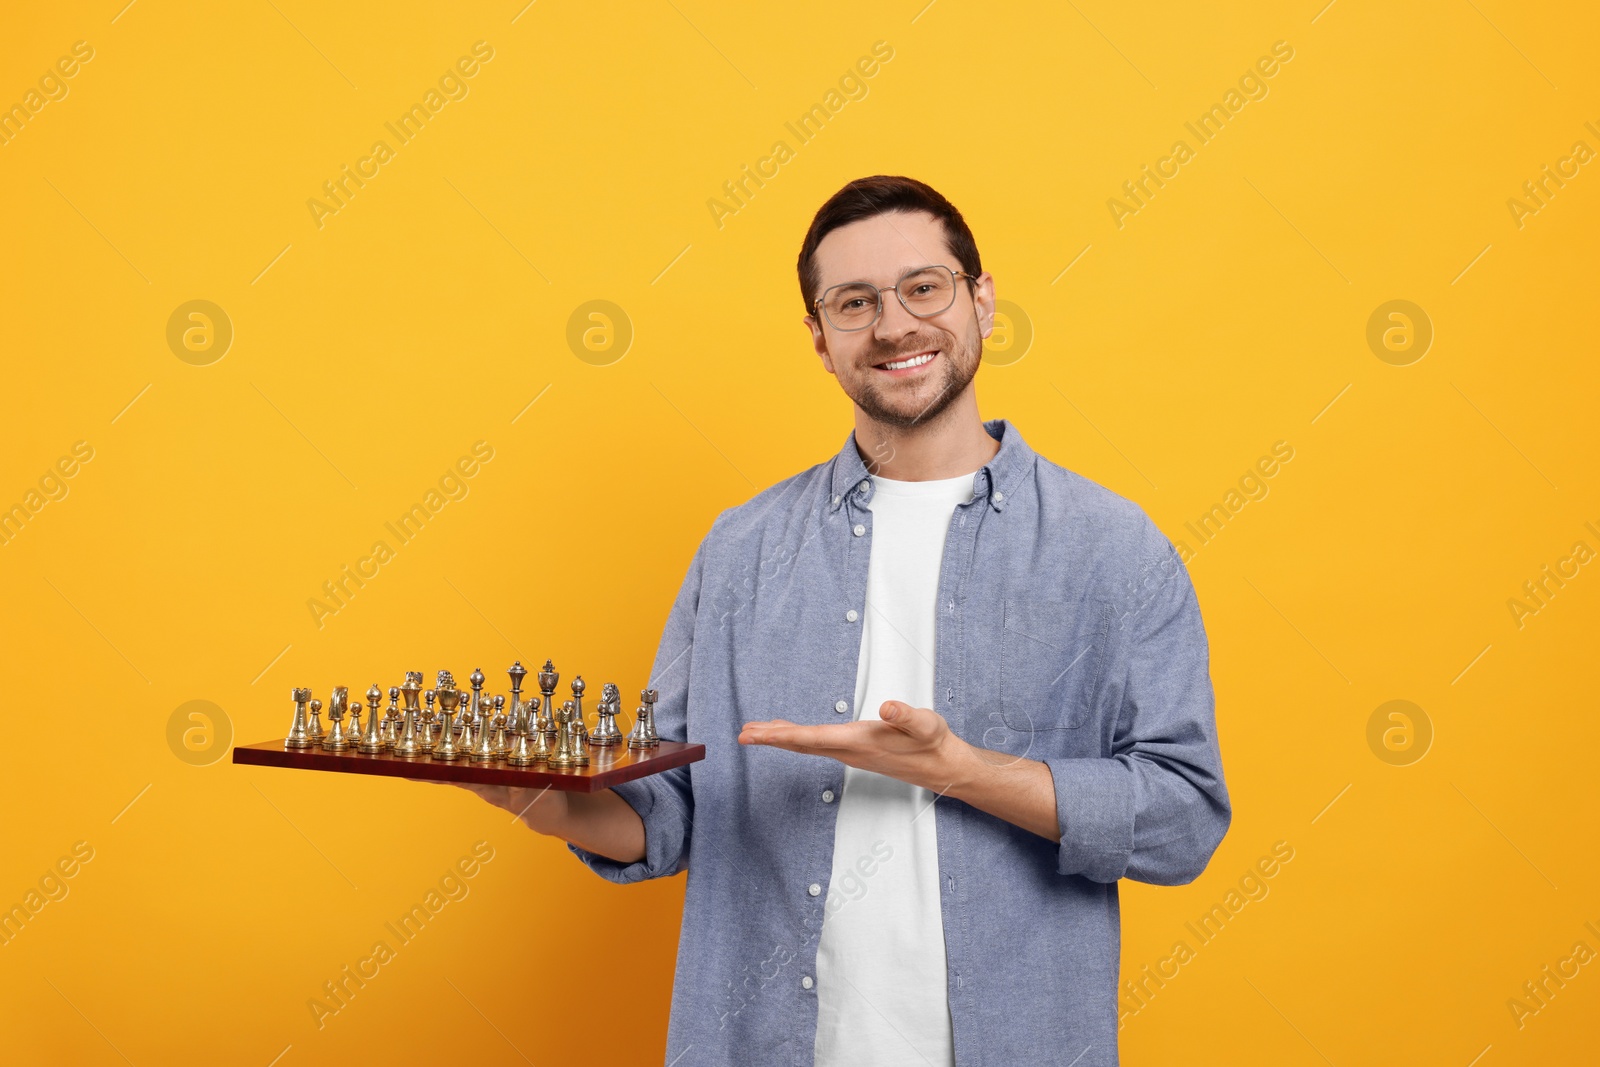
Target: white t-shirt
column 881, row 988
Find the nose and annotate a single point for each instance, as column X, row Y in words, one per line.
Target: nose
column 895, row 321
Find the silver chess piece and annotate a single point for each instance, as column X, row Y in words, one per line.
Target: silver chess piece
column 335, row 741
column 425, row 724
column 407, row 745
column 606, row 733
column 579, row 727
column 391, row 719
column 518, row 711
column 370, row 738
column 483, row 739
column 449, row 696
column 338, row 701
column 568, row 752
column 548, row 680
column 502, row 728
column 644, row 723
column 299, row 735
column 314, row 729
column 531, row 746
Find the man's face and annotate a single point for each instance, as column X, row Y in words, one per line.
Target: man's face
column 878, row 251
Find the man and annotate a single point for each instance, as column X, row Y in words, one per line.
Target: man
column 950, row 693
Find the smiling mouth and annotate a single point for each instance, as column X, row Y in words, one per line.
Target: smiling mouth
column 906, row 363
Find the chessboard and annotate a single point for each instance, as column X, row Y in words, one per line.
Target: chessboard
column 475, row 737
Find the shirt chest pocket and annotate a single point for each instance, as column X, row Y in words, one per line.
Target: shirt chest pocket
column 1050, row 661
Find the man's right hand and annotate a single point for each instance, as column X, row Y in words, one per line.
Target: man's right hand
column 600, row 822
column 543, row 811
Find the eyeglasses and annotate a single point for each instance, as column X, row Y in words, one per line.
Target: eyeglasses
column 924, row 292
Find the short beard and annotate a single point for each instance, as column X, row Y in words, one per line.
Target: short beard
column 960, row 367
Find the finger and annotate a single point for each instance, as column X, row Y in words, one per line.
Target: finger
column 907, row 719
column 813, row 739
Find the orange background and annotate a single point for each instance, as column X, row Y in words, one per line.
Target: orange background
column 1161, row 357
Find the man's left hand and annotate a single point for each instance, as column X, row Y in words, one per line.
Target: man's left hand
column 914, row 745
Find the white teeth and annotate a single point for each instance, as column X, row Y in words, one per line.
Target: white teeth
column 915, row 361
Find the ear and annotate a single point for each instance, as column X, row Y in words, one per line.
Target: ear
column 819, row 342
column 983, row 303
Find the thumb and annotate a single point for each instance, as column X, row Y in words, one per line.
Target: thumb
column 896, row 712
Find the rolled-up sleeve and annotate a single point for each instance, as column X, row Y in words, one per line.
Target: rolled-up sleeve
column 1156, row 807
column 664, row 801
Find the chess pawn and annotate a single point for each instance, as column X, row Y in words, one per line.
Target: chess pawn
column 391, row 720
column 530, row 746
column 374, row 705
column 299, row 735
column 580, row 735
column 502, row 728
column 315, row 730
column 548, row 679
column 353, row 734
column 562, row 756
column 605, row 730
column 335, row 741
column 425, row 724
column 539, row 740
column 644, row 723
column 370, row 739
column 483, row 741
column 446, row 747
column 567, row 733
column 579, row 728
column 476, row 678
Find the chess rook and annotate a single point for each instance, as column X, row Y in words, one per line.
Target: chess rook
column 644, row 723
column 300, row 730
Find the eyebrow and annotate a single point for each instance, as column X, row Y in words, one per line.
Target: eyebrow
column 901, row 273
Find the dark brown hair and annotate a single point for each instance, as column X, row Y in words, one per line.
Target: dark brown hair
column 865, row 198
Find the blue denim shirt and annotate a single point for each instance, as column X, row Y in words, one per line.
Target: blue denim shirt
column 1068, row 632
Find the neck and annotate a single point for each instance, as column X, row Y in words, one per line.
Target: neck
column 950, row 445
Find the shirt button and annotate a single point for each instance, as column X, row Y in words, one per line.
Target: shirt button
column 842, row 706
column 998, row 496
column 836, row 500
column 814, row 889
column 806, row 982
column 827, row 796
column 859, row 530
column 851, row 616
column 862, row 488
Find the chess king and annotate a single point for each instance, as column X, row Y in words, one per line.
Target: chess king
column 952, row 693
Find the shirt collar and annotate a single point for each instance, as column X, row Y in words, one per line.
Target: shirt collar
column 996, row 481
